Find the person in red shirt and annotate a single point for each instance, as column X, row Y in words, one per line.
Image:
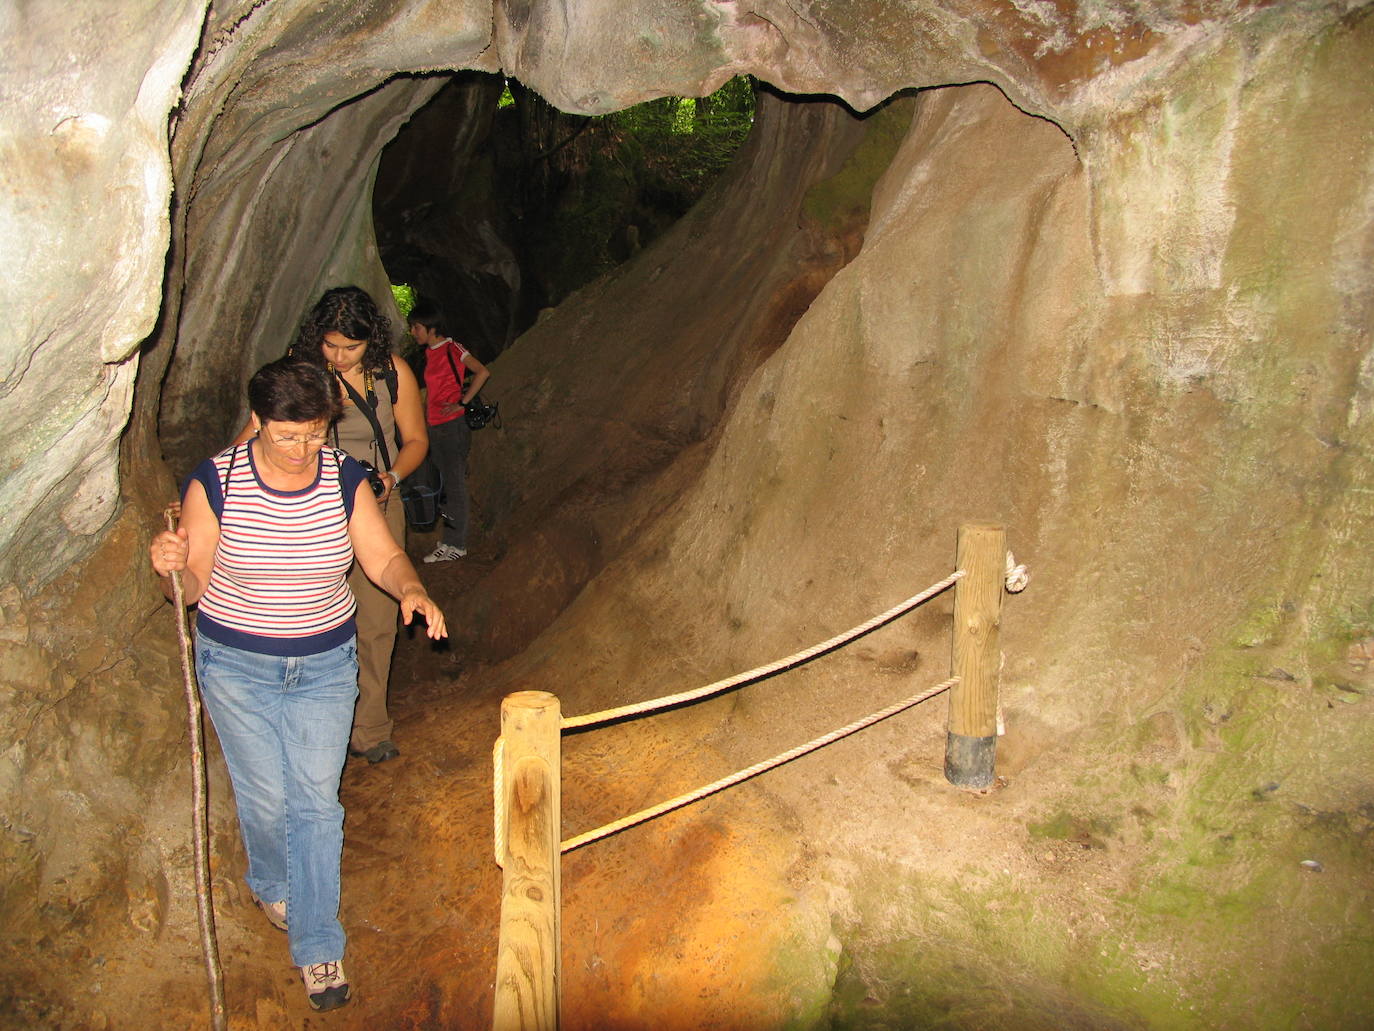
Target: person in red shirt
column 452, row 378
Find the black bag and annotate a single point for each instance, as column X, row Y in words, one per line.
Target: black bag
column 480, row 414
column 420, row 495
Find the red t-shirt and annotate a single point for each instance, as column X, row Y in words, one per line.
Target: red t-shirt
column 441, row 389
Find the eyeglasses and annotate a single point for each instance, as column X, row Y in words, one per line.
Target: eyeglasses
column 315, row 440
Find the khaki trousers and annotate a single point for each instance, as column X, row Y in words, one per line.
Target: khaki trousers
column 377, row 617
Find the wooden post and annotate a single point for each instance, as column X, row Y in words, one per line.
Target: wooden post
column 529, row 971
column 971, row 741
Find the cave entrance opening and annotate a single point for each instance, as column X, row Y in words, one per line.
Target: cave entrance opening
column 497, row 205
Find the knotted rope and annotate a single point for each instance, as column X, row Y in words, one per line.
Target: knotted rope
column 1017, row 577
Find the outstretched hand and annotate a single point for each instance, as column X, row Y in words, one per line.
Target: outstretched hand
column 417, row 601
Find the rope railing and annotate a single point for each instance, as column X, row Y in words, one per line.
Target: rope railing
column 681, row 698
column 753, row 771
column 668, row 701
column 527, row 781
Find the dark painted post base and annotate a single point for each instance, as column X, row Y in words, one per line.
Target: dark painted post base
column 969, row 760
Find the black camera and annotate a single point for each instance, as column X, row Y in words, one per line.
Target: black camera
column 374, row 478
column 479, row 413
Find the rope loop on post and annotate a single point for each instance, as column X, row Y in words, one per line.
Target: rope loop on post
column 1017, row 576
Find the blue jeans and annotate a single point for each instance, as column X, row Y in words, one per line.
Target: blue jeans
column 283, row 725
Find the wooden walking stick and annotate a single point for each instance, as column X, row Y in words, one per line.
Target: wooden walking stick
column 208, row 943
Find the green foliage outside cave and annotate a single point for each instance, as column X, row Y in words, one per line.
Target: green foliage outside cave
column 614, row 182
column 682, row 143
column 404, row 295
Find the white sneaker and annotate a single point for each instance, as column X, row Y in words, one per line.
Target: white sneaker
column 445, row 553
column 326, row 986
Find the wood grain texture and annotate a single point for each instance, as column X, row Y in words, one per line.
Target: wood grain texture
column 528, row 966
column 976, row 660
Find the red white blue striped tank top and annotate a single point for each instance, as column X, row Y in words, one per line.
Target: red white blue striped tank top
column 278, row 585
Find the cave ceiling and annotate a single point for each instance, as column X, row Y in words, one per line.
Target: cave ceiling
column 131, row 168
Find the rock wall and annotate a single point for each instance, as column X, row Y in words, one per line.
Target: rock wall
column 256, row 80
column 1119, row 299
column 602, row 408
column 86, row 192
column 1146, row 350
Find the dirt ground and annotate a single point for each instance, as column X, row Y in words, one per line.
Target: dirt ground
column 675, row 918
column 804, row 898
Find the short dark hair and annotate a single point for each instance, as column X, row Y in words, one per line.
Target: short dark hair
column 428, row 314
column 349, row 310
column 287, row 390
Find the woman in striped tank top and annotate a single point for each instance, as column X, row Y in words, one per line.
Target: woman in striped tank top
column 269, row 529
column 383, row 425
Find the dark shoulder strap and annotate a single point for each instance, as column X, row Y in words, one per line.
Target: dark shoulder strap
column 229, row 473
column 448, row 353
column 389, row 375
column 368, row 406
column 394, row 386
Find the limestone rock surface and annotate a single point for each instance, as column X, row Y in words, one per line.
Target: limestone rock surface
column 1101, row 273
